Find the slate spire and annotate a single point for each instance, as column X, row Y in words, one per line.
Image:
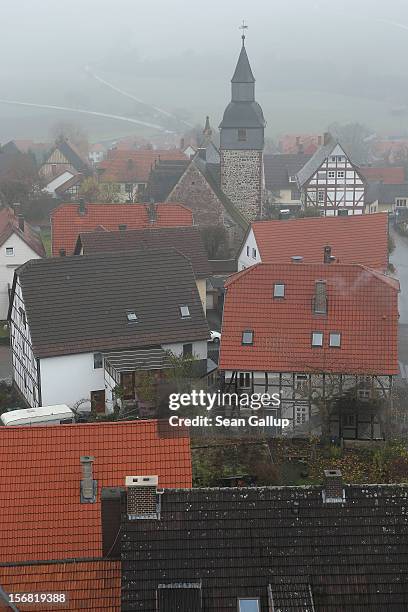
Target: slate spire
column 243, row 72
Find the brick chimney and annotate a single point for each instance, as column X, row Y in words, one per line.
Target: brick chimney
column 82, row 207
column 143, row 499
column 333, row 489
column 326, row 138
column 152, row 212
column 88, row 484
column 320, row 298
column 328, row 258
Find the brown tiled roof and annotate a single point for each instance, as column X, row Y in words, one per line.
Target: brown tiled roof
column 133, row 166
column 394, row 175
column 67, row 222
column 79, row 304
column 243, row 542
column 362, row 307
column 354, row 239
column 9, row 225
column 187, row 240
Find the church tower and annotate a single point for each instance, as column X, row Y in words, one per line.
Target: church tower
column 242, row 142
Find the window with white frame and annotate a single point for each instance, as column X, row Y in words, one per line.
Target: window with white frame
column 279, row 290
column 401, row 202
column 248, row 336
column 300, row 415
column 364, row 394
column 340, row 174
column 184, row 311
column 317, row 338
column 331, row 174
column 335, row 340
column 254, row 253
column 244, row 380
column 9, row 251
column 320, row 195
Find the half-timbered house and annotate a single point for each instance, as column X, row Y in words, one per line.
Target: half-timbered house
column 74, row 344
column 312, row 332
column 331, row 182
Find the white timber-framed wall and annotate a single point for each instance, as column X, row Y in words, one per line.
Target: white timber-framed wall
column 336, row 186
column 249, row 254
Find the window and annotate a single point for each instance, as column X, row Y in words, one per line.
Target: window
column 279, row 290
column 98, row 361
column 248, row 249
column 187, row 350
column 184, row 311
column 9, row 251
column 331, row 174
column 248, row 336
column 320, row 195
column 364, row 394
column 128, row 187
column 131, row 316
column 340, row 174
column 295, row 194
column 317, row 339
column 292, row 179
column 348, row 420
column 245, row 380
column 242, row 134
column 23, row 319
column 335, row 339
column 340, row 158
column 333, row 158
column 300, row 415
column 399, row 202
column 248, row 605
column 254, row 253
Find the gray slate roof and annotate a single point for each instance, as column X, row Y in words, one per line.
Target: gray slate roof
column 243, row 71
column 385, row 193
column 187, row 240
column 164, row 176
column 79, row 304
column 315, row 162
column 243, row 114
column 278, row 169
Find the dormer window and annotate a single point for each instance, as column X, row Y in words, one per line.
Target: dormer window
column 131, row 316
column 184, row 311
column 242, row 134
column 279, row 290
column 248, row 337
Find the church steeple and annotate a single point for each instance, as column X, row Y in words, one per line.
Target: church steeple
column 243, row 81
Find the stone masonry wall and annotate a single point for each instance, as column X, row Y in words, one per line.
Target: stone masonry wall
column 241, row 180
column 193, row 191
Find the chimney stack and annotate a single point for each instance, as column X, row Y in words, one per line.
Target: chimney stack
column 328, row 258
column 326, row 138
column 333, row 490
column 182, row 144
column 143, row 499
column 17, row 208
column 122, row 227
column 88, row 484
column 21, row 222
column 320, row 298
column 152, row 212
column 62, row 252
column 82, row 207
column 111, row 516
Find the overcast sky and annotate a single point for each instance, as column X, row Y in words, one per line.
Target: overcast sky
column 45, row 46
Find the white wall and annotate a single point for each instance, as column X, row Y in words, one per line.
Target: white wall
column 199, row 348
column 67, row 379
column 244, row 260
column 22, row 253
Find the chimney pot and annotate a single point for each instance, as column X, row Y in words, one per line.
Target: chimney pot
column 88, row 484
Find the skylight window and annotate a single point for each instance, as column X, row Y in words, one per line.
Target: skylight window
column 279, row 290
column 184, row 311
column 317, row 339
column 248, row 605
column 131, row 316
column 248, row 336
column 335, row 339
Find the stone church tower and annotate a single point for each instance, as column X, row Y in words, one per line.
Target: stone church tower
column 242, row 142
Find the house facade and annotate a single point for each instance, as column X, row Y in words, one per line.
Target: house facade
column 282, row 190
column 64, row 157
column 96, row 349
column 353, row 239
column 330, row 182
column 387, row 197
column 286, row 329
column 18, row 243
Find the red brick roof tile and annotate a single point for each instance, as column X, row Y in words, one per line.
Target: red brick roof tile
column 40, row 472
column 359, row 239
column 362, row 307
column 393, row 175
column 67, row 223
column 88, row 585
column 124, row 166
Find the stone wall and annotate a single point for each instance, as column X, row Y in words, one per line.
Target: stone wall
column 241, row 180
column 193, row 191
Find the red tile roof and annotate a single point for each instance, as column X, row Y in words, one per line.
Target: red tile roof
column 9, row 225
column 67, row 223
column 89, row 585
column 134, row 166
column 40, row 472
column 354, row 239
column 393, row 175
column 362, row 306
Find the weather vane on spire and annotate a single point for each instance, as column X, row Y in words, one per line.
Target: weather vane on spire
column 243, row 27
